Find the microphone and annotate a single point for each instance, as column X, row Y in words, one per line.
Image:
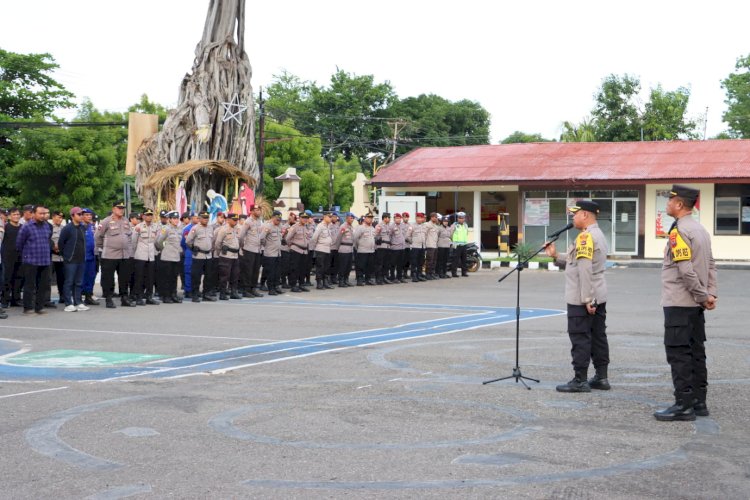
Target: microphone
column 559, row 231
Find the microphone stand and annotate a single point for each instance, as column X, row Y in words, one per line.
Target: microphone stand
column 521, row 265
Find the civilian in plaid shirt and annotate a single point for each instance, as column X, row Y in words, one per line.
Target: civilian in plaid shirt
column 33, row 245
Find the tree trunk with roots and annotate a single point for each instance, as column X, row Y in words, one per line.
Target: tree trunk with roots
column 215, row 115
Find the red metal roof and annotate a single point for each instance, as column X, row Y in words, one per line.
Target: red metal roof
column 572, row 163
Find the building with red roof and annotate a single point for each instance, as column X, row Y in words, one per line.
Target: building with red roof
column 534, row 183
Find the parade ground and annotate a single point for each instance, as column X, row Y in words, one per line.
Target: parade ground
column 368, row 392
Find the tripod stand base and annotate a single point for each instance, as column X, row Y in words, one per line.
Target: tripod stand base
column 516, row 375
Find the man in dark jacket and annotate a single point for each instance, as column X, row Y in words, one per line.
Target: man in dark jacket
column 72, row 249
column 12, row 260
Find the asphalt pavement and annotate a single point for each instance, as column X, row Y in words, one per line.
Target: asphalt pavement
column 368, row 392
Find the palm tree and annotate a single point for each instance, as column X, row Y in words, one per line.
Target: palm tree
column 583, row 132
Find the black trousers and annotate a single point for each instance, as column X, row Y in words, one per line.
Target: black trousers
column 333, row 265
column 365, row 266
column 59, row 269
column 200, row 269
column 431, row 258
column 144, row 278
column 167, row 280
column 588, row 338
column 322, row 263
column 398, row 264
column 382, row 262
column 35, row 283
column 285, row 266
column 684, row 338
column 344, row 265
column 442, row 261
column 249, row 270
column 271, row 268
column 229, row 273
column 12, row 274
column 459, row 260
column 123, row 269
column 309, row 260
column 417, row 262
column 297, row 267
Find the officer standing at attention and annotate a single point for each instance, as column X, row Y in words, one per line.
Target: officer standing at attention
column 345, row 241
column 586, row 296
column 321, row 242
column 113, row 238
column 460, row 238
column 168, row 241
column 250, row 261
column 270, row 237
column 296, row 239
column 688, row 288
column 144, row 259
column 364, row 244
column 200, row 242
column 415, row 237
column 383, row 249
column 227, row 244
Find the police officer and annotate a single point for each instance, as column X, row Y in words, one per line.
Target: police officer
column 416, row 236
column 383, row 249
column 321, row 243
column 398, row 254
column 227, row 244
column 297, row 240
column 168, row 242
column 200, row 242
column 364, row 244
column 345, row 242
column 113, row 239
column 270, row 238
column 688, row 288
column 445, row 235
column 285, row 263
column 249, row 235
column 92, row 260
column 460, row 238
column 144, row 259
column 586, row 296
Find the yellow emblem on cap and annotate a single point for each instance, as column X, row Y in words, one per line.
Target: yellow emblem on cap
column 584, row 246
column 680, row 249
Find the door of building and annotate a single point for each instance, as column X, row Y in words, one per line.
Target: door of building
column 625, row 227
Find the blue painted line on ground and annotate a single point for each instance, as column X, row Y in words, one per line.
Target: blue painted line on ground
column 277, row 351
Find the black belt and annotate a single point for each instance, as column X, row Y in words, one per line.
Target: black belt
column 233, row 250
column 198, row 250
column 301, row 248
column 345, row 244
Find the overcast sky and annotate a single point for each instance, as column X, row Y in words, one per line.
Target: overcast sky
column 532, row 65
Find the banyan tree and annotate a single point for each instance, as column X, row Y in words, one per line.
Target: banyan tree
column 215, row 115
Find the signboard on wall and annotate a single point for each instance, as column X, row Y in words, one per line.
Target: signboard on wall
column 536, row 212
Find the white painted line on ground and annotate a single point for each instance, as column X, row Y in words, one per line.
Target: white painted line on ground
column 32, row 392
column 130, row 333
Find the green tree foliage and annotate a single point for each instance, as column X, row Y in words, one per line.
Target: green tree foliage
column 664, row 117
column 737, row 87
column 432, row 120
column 26, row 88
column 288, row 99
column 616, row 116
column 67, row 167
column 522, row 137
column 151, row 108
column 582, row 132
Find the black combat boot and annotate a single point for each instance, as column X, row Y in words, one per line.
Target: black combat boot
column 255, row 293
column 360, row 282
column 152, row 301
column 577, row 384
column 207, row 297
column 89, row 300
column 125, row 301
column 682, row 410
column 235, row 294
column 110, row 303
column 700, row 407
column 296, row 289
column 196, row 298
column 272, row 292
column 319, row 285
column 140, row 302
column 327, row 284
column 223, row 295
column 599, row 381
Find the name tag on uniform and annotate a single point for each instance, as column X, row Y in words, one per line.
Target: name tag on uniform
column 680, row 249
column 584, row 246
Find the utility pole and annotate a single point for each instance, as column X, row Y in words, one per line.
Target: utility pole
column 705, row 123
column 395, row 124
column 330, row 172
column 262, row 141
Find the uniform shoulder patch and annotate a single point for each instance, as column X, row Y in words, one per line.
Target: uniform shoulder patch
column 679, row 248
column 584, row 246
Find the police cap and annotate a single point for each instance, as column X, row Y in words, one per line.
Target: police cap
column 587, row 205
column 688, row 194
